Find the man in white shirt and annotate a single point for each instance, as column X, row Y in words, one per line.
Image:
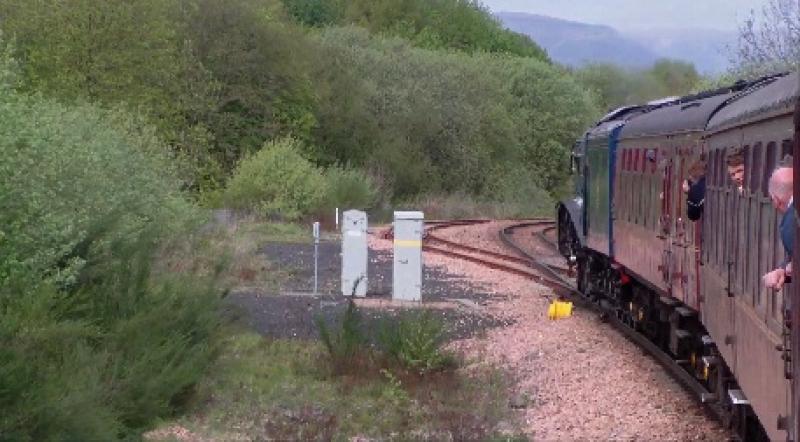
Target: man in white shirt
column 781, row 193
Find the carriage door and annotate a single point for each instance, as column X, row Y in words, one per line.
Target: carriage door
column 662, row 163
column 681, row 238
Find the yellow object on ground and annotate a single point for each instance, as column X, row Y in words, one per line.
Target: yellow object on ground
column 559, row 310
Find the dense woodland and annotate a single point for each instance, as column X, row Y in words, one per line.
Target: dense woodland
column 121, row 122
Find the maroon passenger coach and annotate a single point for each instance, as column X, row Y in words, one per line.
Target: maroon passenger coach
column 694, row 289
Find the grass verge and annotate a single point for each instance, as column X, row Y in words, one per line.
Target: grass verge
column 235, row 241
column 261, row 388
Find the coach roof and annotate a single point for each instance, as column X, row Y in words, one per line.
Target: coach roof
column 772, row 95
column 613, row 120
column 689, row 114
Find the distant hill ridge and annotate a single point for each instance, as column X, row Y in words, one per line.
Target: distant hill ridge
column 575, row 43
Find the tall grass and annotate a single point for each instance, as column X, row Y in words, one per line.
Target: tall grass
column 346, row 343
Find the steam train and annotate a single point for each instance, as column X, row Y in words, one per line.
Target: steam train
column 694, row 289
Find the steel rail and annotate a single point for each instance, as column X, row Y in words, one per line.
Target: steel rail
column 610, row 316
column 430, row 237
column 544, row 274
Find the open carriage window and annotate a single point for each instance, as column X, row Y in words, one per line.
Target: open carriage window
column 745, row 151
column 786, row 150
column 725, row 176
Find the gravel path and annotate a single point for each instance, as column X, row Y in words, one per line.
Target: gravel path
column 576, row 378
column 291, row 310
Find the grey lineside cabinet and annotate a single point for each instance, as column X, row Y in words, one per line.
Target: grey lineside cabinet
column 407, row 267
column 354, row 253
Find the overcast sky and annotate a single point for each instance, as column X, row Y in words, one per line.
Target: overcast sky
column 638, row 14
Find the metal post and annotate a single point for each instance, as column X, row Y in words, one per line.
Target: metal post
column 337, row 218
column 316, row 254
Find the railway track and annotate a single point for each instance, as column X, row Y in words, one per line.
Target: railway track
column 518, row 265
column 527, row 264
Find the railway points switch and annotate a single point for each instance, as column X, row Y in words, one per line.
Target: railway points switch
column 354, row 253
column 407, row 266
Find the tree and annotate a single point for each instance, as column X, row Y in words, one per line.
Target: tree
column 117, row 53
column 443, row 121
column 769, row 41
column 261, row 64
column 464, row 25
column 675, row 76
column 615, row 86
column 111, row 52
column 315, row 12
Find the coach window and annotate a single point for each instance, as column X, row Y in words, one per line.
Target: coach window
column 769, row 165
column 756, row 167
column 786, row 148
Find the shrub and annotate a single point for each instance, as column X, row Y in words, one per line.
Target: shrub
column 415, row 341
column 520, row 193
column 276, row 181
column 74, row 182
column 93, row 346
column 347, row 346
column 349, row 188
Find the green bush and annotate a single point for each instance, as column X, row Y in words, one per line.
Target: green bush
column 415, row 341
column 93, row 344
column 424, row 121
column 349, row 188
column 520, row 192
column 74, row 182
column 277, row 181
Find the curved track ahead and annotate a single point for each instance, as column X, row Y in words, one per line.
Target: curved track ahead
column 523, row 266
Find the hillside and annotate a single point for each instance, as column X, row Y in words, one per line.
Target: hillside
column 707, row 49
column 574, row 43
